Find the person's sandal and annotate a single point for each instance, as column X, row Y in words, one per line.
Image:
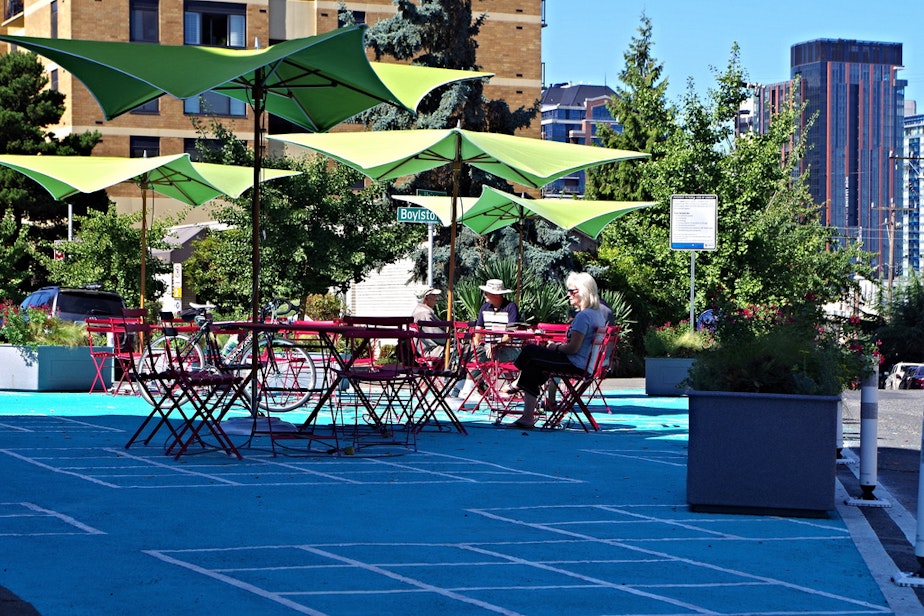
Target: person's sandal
column 521, row 425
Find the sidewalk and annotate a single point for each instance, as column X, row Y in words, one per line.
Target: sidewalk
column 499, row 521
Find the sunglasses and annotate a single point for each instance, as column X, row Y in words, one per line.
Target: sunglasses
column 573, row 291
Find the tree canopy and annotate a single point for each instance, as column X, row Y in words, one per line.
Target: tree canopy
column 771, row 244
column 27, row 109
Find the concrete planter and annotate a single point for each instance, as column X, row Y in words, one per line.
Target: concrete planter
column 769, row 454
column 48, row 368
column 663, row 375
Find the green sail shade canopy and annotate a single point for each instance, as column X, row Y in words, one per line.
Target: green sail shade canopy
column 495, row 209
column 315, row 82
column 386, row 155
column 172, row 176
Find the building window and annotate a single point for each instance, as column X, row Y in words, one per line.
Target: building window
column 144, row 146
column 215, row 24
column 211, row 103
column 192, row 147
column 53, row 80
column 54, row 19
column 143, row 21
column 150, row 107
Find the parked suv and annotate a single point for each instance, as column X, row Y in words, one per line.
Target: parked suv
column 71, row 304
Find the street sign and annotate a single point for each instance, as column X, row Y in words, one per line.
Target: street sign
column 418, row 214
column 694, row 222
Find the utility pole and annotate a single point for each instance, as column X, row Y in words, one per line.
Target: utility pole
column 890, row 230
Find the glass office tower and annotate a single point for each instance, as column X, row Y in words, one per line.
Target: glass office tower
column 851, row 90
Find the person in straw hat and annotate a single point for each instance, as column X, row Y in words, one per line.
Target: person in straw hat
column 497, row 312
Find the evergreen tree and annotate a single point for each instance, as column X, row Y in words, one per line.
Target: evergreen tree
column 443, row 33
column 645, row 122
column 27, row 108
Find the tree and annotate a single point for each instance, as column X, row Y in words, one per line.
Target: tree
column 27, row 107
column 771, row 244
column 903, row 334
column 645, row 119
column 106, row 251
column 14, row 249
column 443, row 33
column 320, row 231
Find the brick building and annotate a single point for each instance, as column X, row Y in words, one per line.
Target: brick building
column 509, row 46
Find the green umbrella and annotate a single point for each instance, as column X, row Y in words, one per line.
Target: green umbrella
column 384, row 155
column 315, row 82
column 172, row 176
column 496, row 209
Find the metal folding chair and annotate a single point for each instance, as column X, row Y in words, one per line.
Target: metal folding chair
column 103, row 354
column 437, row 376
column 570, row 387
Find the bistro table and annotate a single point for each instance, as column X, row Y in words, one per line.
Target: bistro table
column 495, row 372
column 342, row 370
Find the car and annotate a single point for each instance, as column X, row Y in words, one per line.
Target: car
column 75, row 304
column 896, row 374
column 908, row 380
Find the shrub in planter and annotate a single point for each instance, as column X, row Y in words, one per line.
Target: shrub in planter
column 676, row 340
column 33, row 327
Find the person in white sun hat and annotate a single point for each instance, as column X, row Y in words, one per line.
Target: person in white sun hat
column 497, row 312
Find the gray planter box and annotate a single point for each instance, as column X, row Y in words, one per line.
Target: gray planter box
column 663, row 375
column 762, row 453
column 48, row 368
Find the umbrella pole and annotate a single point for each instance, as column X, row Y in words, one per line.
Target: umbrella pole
column 456, row 172
column 520, row 260
column 259, row 102
column 144, row 240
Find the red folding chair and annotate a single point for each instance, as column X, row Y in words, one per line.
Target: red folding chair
column 571, row 387
column 382, row 392
column 609, row 356
column 102, row 350
column 436, row 376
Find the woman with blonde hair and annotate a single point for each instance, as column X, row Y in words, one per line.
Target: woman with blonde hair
column 536, row 361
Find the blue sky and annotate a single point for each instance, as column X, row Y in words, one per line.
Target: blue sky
column 585, row 39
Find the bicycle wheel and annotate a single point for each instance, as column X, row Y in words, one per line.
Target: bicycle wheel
column 287, row 374
column 182, row 351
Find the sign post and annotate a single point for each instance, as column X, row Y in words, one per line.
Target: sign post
column 694, row 226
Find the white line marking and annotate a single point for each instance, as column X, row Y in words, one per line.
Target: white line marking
column 689, row 561
column 411, row 581
column 236, row 583
column 57, row 470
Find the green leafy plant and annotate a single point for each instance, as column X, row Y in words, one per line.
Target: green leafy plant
column 325, row 307
column 33, row 327
column 787, row 349
column 676, row 340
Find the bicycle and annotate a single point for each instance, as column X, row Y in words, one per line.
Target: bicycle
column 288, row 374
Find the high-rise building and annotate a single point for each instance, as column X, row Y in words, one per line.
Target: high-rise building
column 509, row 45
column 571, row 113
column 856, row 101
column 912, row 184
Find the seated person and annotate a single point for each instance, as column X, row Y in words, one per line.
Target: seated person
column 424, row 311
column 536, row 361
column 497, row 313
